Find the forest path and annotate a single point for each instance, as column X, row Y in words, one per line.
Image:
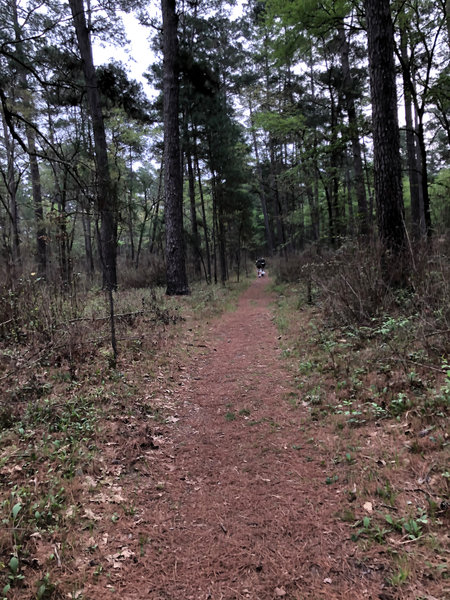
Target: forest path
column 236, row 503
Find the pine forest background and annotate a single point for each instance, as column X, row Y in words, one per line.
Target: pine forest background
column 281, row 139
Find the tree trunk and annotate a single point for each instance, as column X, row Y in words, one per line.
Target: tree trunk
column 86, row 221
column 351, row 219
column 204, row 221
column 417, row 217
column 214, row 233
column 153, row 232
column 262, row 193
column 173, row 177
column 313, row 211
column 386, row 137
column 130, row 211
column 314, row 169
column 142, row 230
column 424, row 177
column 62, row 239
column 331, row 221
column 363, row 221
column 41, row 234
column 222, row 245
column 447, row 15
column 11, row 185
column 194, row 226
column 105, row 191
column 279, row 229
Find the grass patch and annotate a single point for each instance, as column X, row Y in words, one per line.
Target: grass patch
column 70, row 425
column 380, row 395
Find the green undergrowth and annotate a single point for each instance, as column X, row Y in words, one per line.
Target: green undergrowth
column 58, row 412
column 45, row 450
column 379, row 394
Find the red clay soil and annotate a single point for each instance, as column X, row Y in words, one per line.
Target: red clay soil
column 230, row 501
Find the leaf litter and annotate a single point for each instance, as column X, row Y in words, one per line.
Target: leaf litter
column 218, row 487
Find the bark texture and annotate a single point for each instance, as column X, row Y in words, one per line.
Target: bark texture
column 41, row 234
column 173, row 176
column 348, row 84
column 417, row 213
column 105, row 193
column 386, row 137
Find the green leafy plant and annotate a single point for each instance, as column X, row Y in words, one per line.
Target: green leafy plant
column 392, row 325
column 386, row 492
column 400, row 404
column 365, row 529
column 45, row 588
column 445, row 388
column 412, row 527
column 370, row 530
column 402, row 573
column 332, row 479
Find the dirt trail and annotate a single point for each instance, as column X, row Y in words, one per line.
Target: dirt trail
column 236, row 504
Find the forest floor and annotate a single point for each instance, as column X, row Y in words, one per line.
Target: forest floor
column 215, row 477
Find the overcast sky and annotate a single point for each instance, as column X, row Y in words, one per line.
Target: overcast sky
column 137, row 56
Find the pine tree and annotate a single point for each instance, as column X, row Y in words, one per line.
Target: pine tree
column 177, row 283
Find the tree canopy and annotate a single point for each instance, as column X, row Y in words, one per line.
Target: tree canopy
column 283, row 135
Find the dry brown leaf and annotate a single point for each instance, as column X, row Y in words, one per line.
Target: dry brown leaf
column 89, row 514
column 280, row 592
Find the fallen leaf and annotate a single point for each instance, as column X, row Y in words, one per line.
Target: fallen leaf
column 89, row 482
column 124, row 553
column 172, row 420
column 368, row 507
column 118, row 499
column 89, row 514
column 280, row 592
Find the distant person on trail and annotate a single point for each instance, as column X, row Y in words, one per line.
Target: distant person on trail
column 260, row 265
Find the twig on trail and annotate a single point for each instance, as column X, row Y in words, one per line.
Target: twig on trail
column 236, row 592
column 379, row 461
column 418, row 364
column 48, row 352
column 389, row 507
column 409, row 541
column 26, row 365
column 418, row 490
column 94, row 319
column 224, row 529
column 433, row 333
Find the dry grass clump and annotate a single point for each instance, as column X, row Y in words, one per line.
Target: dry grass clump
column 44, row 328
column 382, row 387
column 353, row 290
column 150, row 272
